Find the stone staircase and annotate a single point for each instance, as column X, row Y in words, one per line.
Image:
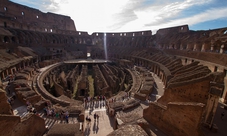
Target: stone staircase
column 50, row 121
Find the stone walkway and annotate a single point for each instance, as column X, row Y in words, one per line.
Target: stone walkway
column 100, row 127
column 49, row 121
column 159, row 88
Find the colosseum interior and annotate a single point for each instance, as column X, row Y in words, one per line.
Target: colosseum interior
column 55, row 79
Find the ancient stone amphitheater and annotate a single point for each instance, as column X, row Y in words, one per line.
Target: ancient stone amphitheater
column 169, row 83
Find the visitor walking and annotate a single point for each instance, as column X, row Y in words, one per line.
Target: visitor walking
column 95, row 117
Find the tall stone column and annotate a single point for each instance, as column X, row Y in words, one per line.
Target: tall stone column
column 222, row 48
column 212, row 48
column 224, row 94
column 203, row 47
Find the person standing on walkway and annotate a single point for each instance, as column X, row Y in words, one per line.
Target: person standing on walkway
column 8, row 89
column 67, row 118
column 95, row 117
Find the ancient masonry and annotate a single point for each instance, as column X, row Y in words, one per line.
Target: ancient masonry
column 43, row 60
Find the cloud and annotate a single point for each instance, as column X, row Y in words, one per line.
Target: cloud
column 133, row 15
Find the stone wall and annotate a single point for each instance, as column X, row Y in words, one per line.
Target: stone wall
column 177, row 118
column 188, row 92
column 5, row 107
column 31, row 125
column 23, row 17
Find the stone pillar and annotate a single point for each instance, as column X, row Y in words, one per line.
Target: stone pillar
column 224, row 94
column 212, row 48
column 195, row 47
column 203, row 47
column 222, row 48
column 7, row 72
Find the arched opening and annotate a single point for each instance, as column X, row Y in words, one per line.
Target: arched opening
column 82, row 92
column 6, row 39
column 215, row 69
column 13, row 39
column 5, row 24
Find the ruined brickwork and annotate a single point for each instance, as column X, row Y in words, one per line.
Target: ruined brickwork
column 178, row 119
column 191, row 65
column 23, row 17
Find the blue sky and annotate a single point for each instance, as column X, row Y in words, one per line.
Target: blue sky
column 136, row 15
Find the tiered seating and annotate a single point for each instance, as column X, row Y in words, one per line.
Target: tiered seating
column 24, row 91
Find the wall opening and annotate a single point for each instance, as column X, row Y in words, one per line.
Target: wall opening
column 6, row 39
column 82, row 92
column 88, row 55
column 22, row 13
column 5, row 8
column 215, row 69
column 13, row 39
column 5, row 24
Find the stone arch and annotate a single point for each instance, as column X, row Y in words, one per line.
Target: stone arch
column 183, row 46
column 197, row 46
column 54, row 39
column 206, row 46
column 13, row 39
column 82, row 92
column 6, row 39
column 72, row 39
column 5, row 24
column 217, row 46
column 190, row 46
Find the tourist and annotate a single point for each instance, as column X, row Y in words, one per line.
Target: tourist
column 14, row 96
column 27, row 103
column 57, row 115
column 67, row 118
column 45, row 110
column 95, row 117
column 12, row 100
column 62, row 115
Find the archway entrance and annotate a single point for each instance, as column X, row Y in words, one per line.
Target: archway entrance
column 82, row 92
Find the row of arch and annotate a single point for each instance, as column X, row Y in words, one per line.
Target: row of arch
column 217, row 46
column 31, row 37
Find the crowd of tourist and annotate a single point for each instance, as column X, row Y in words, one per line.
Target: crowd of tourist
column 50, row 111
column 93, row 102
